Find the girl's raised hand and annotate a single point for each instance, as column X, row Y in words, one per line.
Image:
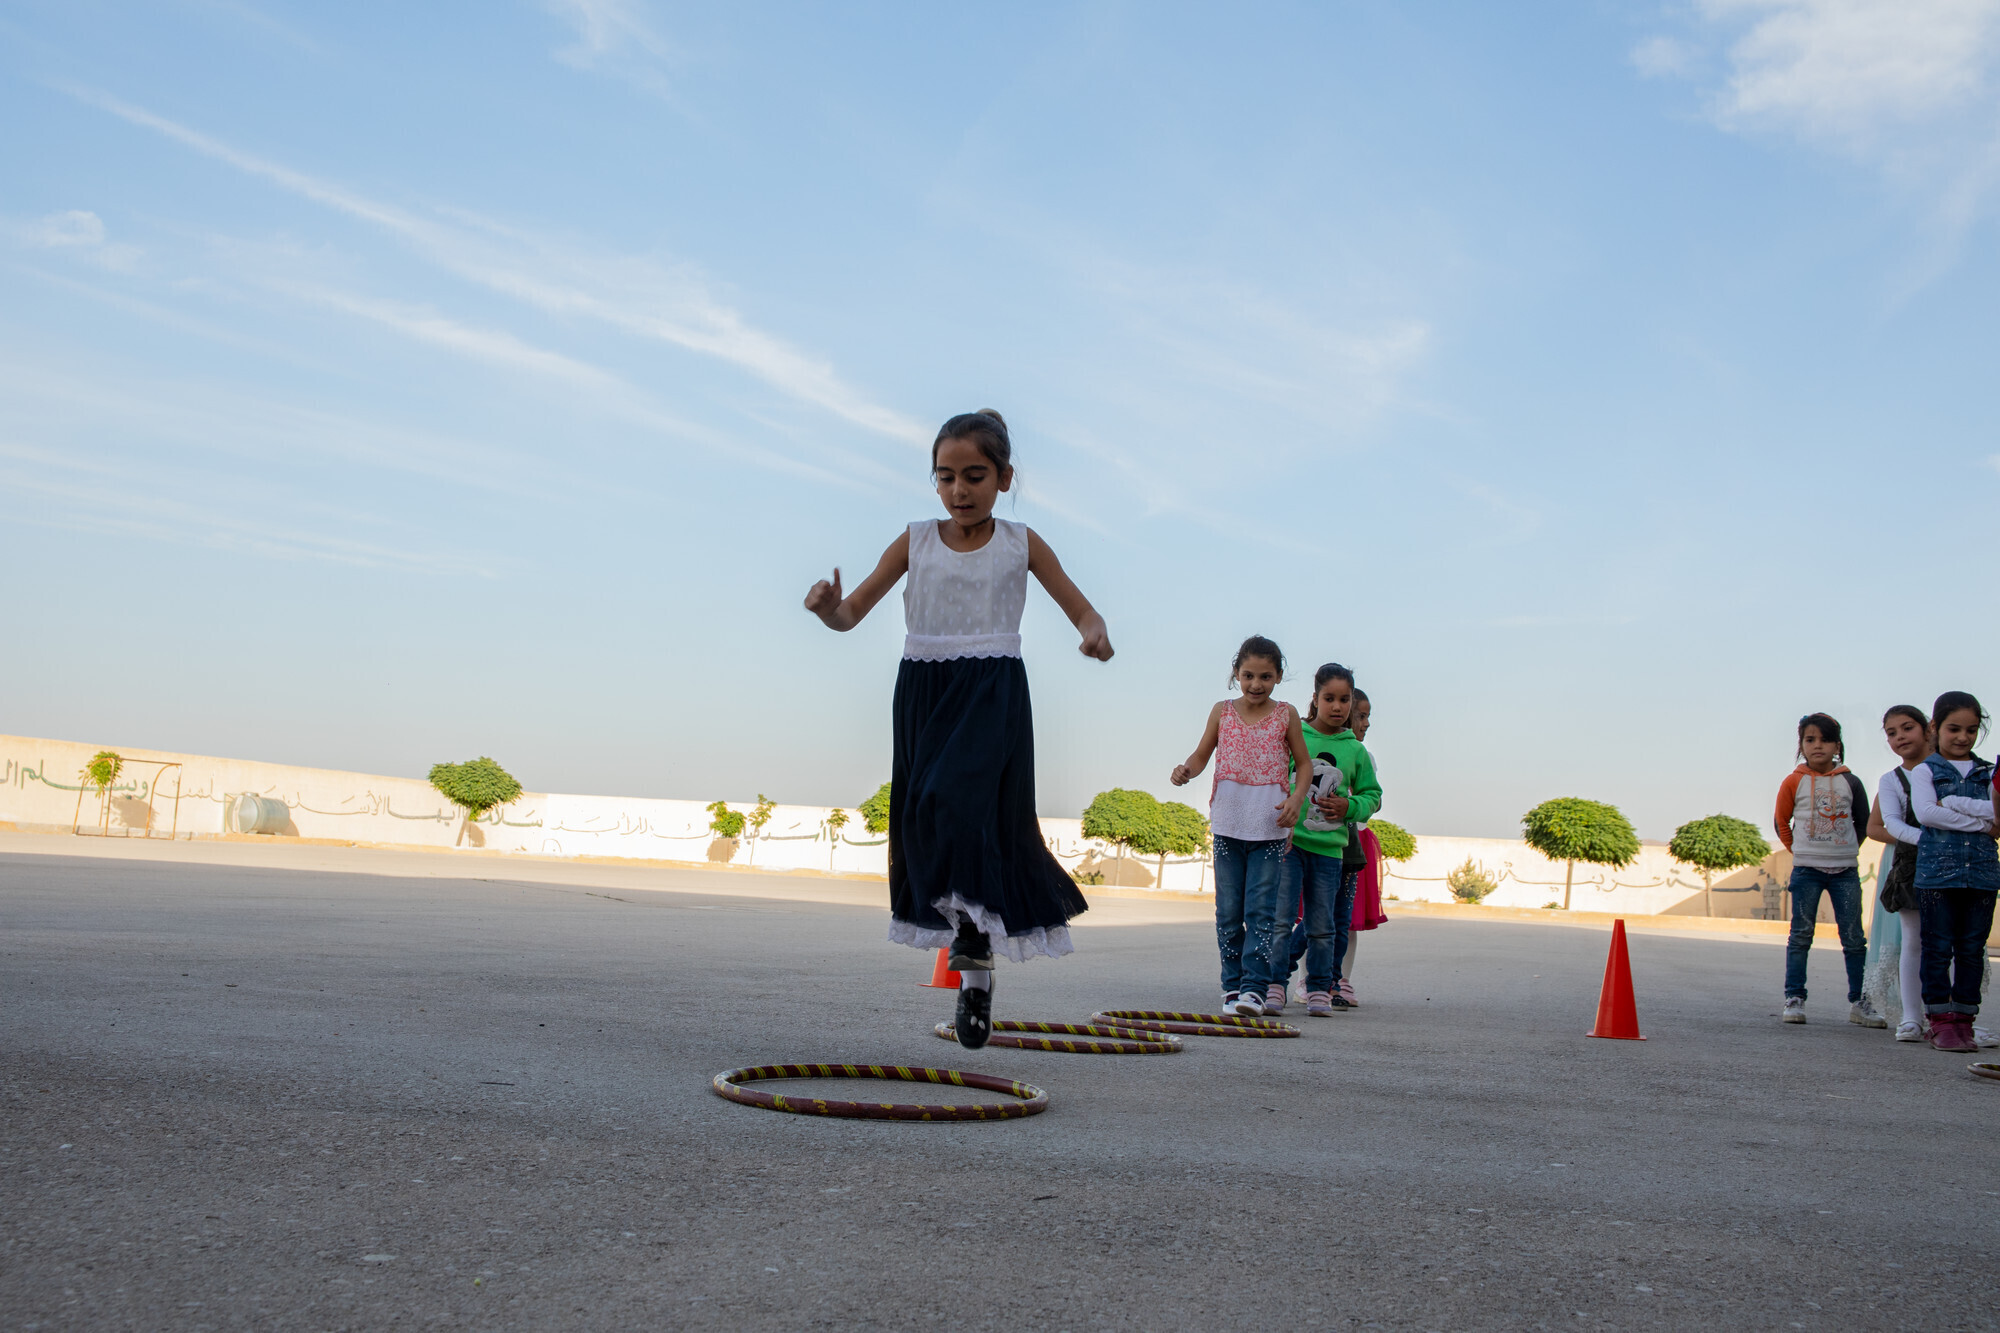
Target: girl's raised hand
column 824, row 598
column 1096, row 639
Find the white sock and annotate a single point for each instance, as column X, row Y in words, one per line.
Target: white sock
column 970, row 980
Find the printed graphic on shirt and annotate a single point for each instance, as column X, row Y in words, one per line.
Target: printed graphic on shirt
column 1828, row 822
column 1328, row 780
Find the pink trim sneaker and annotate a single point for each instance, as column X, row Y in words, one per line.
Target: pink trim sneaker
column 1274, row 999
column 1319, row 1004
column 1345, row 990
column 1952, row 1032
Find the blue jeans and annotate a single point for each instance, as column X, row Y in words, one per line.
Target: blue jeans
column 1249, row 887
column 1325, row 888
column 1844, row 887
column 1956, row 923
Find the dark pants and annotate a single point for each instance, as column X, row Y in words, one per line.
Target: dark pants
column 1956, row 922
column 1320, row 894
column 1844, row 888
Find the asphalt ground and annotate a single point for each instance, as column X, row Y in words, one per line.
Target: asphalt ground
column 330, row 1089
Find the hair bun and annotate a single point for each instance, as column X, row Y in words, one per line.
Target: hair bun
column 989, row 412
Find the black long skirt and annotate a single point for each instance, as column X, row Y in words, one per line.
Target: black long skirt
column 964, row 841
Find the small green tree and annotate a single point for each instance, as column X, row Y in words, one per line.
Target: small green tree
column 475, row 786
column 1123, row 818
column 835, row 821
column 757, row 818
column 1715, row 846
column 1394, row 840
column 1570, row 829
column 102, row 770
column 1470, row 883
column 875, row 811
column 724, row 822
column 1176, row 830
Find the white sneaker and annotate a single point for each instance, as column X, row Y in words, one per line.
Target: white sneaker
column 1983, row 1038
column 1249, row 1003
column 1795, row 1009
column 1910, row 1030
column 1863, row 1011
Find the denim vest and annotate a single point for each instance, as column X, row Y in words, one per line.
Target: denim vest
column 1951, row 860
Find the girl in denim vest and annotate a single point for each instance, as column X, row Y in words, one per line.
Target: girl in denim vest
column 1262, row 771
column 1958, row 868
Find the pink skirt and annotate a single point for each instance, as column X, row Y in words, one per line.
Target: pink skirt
column 1368, row 912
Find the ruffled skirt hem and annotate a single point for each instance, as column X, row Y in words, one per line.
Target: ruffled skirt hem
column 1052, row 942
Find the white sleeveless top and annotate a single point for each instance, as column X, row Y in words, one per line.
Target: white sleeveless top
column 965, row 603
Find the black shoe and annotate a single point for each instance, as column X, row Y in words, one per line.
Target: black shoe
column 974, row 1021
column 971, row 951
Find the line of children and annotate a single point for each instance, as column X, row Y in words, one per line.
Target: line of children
column 1939, row 875
column 1288, row 871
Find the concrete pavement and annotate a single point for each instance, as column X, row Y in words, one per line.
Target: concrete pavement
column 333, row 1088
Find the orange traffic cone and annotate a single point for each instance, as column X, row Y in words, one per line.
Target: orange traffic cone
column 1617, row 1013
column 942, row 977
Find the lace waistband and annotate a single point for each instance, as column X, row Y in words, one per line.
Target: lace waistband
column 944, row 647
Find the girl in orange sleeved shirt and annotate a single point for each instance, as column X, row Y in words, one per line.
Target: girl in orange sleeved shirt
column 1821, row 817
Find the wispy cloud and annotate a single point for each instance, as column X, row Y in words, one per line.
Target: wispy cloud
column 258, row 19
column 639, row 296
column 1853, row 72
column 1906, row 87
column 76, row 231
column 180, row 419
column 1660, row 57
column 602, row 390
column 84, row 495
column 615, row 37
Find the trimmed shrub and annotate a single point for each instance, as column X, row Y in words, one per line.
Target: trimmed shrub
column 1715, row 846
column 1469, row 883
column 875, row 810
column 1395, row 841
column 724, row 822
column 102, row 770
column 1570, row 829
column 1123, row 818
column 475, row 786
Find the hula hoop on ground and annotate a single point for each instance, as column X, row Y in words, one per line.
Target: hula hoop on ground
column 1033, row 1099
column 1985, row 1070
column 1196, row 1025
column 1139, row 1042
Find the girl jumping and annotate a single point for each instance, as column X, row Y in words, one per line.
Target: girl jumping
column 967, row 865
column 1262, row 770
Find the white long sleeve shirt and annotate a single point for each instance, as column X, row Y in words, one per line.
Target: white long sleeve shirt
column 1895, row 815
column 1960, row 814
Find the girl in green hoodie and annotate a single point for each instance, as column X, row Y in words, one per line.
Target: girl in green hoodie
column 1343, row 794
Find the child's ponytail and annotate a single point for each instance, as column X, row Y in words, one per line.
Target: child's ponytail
column 1257, row 646
column 1331, row 671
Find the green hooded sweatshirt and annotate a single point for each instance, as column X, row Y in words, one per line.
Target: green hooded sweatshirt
column 1341, row 767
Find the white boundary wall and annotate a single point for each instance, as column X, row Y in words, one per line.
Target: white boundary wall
column 40, row 782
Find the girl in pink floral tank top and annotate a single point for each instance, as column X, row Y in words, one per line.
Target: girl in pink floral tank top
column 1262, row 769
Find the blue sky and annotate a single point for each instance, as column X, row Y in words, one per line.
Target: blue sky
column 1608, row 384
